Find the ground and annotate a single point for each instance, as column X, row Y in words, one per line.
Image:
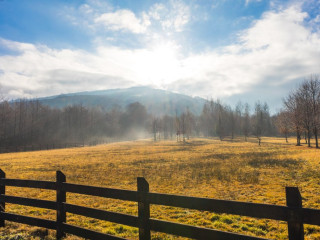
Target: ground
column 230, row 169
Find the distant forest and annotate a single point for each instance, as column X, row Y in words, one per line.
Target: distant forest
column 29, row 125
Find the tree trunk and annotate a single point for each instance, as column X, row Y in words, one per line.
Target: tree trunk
column 316, row 136
column 309, row 137
column 298, row 137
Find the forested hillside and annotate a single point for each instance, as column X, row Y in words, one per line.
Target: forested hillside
column 157, row 102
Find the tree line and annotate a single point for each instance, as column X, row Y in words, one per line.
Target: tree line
column 219, row 120
column 29, row 124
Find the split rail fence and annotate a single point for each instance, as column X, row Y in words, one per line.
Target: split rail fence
column 294, row 214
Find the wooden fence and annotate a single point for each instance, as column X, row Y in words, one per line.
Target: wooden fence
column 294, row 214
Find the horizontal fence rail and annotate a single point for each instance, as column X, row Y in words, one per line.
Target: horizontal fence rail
column 38, row 222
column 256, row 210
column 28, row 183
column 29, row 202
column 120, row 218
column 101, row 192
column 294, row 214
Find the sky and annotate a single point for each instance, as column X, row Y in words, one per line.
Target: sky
column 231, row 50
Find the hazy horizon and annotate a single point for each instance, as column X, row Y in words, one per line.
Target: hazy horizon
column 245, row 50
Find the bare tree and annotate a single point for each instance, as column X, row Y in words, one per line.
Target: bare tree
column 189, row 123
column 220, row 128
column 246, row 121
column 283, row 123
column 239, row 117
column 155, row 128
column 303, row 108
column 232, row 125
column 168, row 126
column 258, row 122
column 304, row 104
column 183, row 126
column 313, row 87
column 178, row 126
column 294, row 111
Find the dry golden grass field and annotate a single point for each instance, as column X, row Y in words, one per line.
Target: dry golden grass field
column 233, row 170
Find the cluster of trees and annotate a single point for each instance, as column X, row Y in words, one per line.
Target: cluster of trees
column 30, row 123
column 26, row 123
column 221, row 120
column 301, row 113
column 218, row 120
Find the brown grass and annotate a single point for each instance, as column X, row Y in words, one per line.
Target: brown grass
column 234, row 170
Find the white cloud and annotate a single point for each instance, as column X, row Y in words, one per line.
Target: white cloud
column 173, row 16
column 16, row 46
column 42, row 71
column 124, row 20
column 276, row 50
column 277, row 29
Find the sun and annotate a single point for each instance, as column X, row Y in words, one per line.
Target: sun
column 160, row 64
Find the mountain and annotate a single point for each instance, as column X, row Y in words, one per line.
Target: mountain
column 157, row 101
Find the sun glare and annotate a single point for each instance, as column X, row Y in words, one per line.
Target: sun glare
column 159, row 64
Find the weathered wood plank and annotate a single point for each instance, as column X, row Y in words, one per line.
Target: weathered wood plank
column 127, row 195
column 61, row 199
column 120, row 218
column 143, row 209
column 38, row 222
column 256, row 210
column 295, row 224
column 28, row 183
column 311, row 216
column 29, row 202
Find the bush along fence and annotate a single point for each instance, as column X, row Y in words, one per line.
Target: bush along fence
column 294, row 214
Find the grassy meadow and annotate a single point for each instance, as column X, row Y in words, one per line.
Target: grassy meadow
column 233, row 170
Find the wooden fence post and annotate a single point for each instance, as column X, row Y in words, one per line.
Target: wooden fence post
column 143, row 209
column 2, row 192
column 295, row 221
column 61, row 198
